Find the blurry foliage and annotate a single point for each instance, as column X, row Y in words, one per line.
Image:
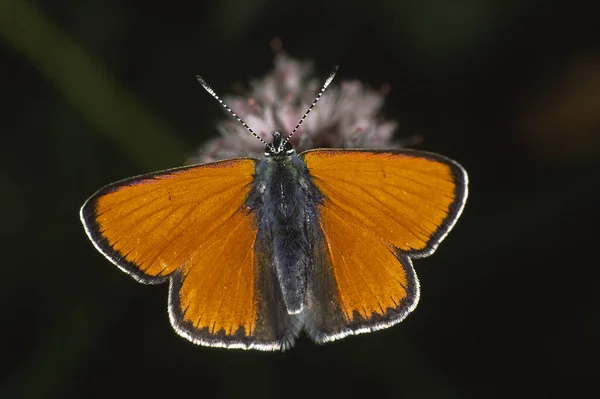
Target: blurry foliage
column 440, row 34
column 562, row 124
column 82, row 79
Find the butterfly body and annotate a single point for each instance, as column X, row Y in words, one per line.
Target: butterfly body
column 284, row 202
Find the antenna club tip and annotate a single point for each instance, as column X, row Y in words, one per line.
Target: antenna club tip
column 206, row 86
column 330, row 78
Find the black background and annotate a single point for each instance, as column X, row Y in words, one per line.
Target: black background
column 509, row 89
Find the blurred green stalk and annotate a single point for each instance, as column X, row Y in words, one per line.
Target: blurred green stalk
column 80, row 77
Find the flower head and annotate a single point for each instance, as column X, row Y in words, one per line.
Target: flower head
column 345, row 117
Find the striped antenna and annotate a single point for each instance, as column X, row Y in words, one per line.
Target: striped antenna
column 327, row 82
column 212, row 93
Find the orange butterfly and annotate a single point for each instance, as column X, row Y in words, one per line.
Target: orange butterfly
column 256, row 251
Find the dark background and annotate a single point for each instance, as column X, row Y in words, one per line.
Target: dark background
column 96, row 91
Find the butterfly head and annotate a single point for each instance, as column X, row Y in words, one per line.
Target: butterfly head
column 279, row 146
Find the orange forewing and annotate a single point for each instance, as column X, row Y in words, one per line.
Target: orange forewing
column 190, row 223
column 401, row 197
column 156, row 223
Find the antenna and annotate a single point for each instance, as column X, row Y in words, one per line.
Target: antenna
column 327, row 82
column 212, row 93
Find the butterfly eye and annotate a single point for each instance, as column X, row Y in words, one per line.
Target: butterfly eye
column 287, row 148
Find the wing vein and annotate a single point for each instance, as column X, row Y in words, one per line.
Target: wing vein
column 232, row 275
column 357, row 210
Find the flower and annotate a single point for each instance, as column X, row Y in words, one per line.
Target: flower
column 345, row 117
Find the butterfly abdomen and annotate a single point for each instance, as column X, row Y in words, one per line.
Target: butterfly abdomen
column 283, row 202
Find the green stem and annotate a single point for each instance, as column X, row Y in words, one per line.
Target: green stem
column 85, row 83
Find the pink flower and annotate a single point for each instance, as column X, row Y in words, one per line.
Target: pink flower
column 345, row 117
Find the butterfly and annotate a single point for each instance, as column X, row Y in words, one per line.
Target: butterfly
column 258, row 250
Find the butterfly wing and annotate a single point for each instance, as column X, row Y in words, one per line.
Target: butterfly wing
column 379, row 210
column 191, row 225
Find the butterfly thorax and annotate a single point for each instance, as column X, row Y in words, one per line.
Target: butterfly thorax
column 284, row 199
